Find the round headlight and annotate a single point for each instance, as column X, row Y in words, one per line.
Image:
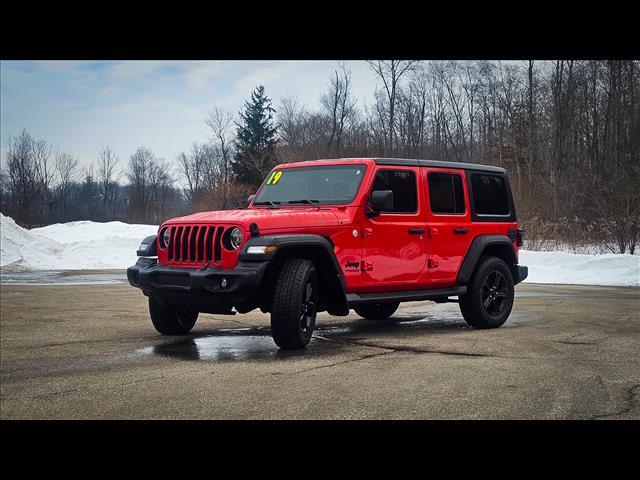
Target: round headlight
column 165, row 236
column 235, row 238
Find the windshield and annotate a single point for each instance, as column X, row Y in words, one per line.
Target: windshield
column 322, row 185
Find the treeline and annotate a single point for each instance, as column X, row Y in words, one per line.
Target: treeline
column 41, row 185
column 568, row 132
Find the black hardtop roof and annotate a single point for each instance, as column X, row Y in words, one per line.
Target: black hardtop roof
column 438, row 164
column 412, row 162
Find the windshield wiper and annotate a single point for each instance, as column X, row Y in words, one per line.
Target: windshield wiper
column 304, row 200
column 268, row 202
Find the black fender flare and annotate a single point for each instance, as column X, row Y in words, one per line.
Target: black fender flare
column 335, row 302
column 477, row 248
column 151, row 249
column 285, row 241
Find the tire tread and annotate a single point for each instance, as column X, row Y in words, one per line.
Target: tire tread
column 377, row 311
column 171, row 321
column 285, row 307
column 471, row 310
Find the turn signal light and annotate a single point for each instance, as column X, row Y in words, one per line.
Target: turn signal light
column 261, row 249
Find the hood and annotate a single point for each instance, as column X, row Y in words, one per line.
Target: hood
column 268, row 219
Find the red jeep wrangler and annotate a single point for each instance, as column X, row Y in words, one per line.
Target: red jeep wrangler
column 330, row 235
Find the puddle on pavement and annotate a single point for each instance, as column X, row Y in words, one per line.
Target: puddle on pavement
column 232, row 345
column 61, row 278
column 219, row 348
column 255, row 343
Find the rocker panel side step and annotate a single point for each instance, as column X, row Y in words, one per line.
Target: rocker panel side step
column 354, row 299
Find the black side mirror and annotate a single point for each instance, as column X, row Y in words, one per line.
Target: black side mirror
column 381, row 201
column 250, row 199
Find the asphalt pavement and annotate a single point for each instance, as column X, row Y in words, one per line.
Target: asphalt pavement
column 70, row 350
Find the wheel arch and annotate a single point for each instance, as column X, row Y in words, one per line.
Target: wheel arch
column 317, row 249
column 499, row 246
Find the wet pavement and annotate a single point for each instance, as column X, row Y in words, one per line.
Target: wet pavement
column 89, row 351
column 68, row 277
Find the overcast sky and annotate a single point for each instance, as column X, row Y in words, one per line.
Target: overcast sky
column 83, row 106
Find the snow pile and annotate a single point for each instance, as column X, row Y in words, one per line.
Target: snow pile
column 93, row 245
column 572, row 268
column 70, row 246
column 14, row 240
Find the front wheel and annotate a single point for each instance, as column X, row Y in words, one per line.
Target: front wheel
column 489, row 298
column 170, row 320
column 295, row 303
column 377, row 311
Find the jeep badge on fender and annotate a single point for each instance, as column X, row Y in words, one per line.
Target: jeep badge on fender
column 433, row 230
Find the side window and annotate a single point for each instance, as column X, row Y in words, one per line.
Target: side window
column 489, row 194
column 403, row 185
column 445, row 193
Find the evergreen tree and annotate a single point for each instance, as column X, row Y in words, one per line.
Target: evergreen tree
column 88, row 195
column 255, row 140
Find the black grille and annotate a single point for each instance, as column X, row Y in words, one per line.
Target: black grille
column 195, row 244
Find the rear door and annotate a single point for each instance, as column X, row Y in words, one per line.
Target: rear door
column 394, row 247
column 448, row 222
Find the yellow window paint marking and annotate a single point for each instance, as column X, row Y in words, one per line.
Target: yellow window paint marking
column 271, row 178
column 277, row 177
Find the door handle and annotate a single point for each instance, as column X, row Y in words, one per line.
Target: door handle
column 416, row 231
column 460, row 230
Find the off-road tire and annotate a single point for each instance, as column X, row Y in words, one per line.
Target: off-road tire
column 480, row 292
column 171, row 321
column 377, row 311
column 293, row 317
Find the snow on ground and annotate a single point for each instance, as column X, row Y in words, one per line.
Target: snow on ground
column 70, row 246
column 113, row 245
column 571, row 268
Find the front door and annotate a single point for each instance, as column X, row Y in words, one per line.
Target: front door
column 394, row 252
column 448, row 219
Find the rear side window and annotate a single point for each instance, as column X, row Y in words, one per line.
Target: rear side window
column 403, row 185
column 445, row 193
column 489, row 194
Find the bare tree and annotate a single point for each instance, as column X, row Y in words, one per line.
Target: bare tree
column 107, row 176
column 22, row 176
column 390, row 72
column 30, row 175
column 412, row 114
column 339, row 105
column 470, row 83
column 138, row 175
column 151, row 185
column 192, row 167
column 291, row 117
column 160, row 182
column 45, row 172
column 532, row 117
column 221, row 125
column 66, row 168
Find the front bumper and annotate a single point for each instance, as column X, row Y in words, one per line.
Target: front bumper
column 212, row 290
column 520, row 274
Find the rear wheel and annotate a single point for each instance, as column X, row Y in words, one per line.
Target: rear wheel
column 170, row 320
column 377, row 311
column 489, row 298
column 295, row 303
